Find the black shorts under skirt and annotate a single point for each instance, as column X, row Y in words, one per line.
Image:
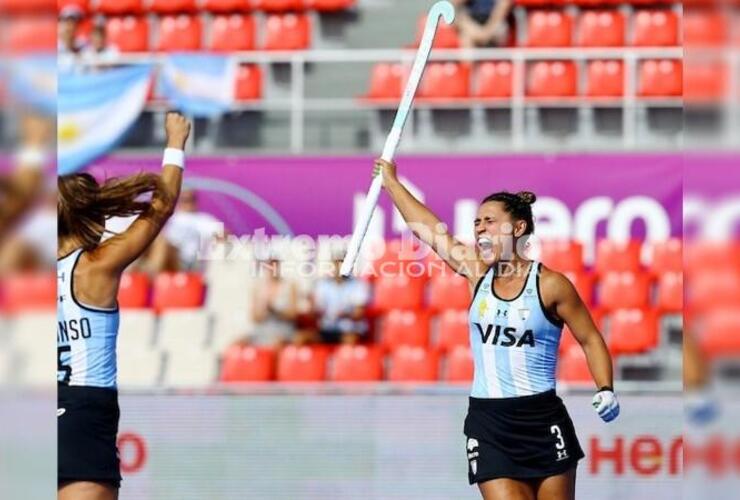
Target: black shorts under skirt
column 87, row 425
column 520, row 438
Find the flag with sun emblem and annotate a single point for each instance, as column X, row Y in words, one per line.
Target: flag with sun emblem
column 95, row 111
column 199, row 85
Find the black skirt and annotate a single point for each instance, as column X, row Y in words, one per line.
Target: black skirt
column 87, row 425
column 520, row 438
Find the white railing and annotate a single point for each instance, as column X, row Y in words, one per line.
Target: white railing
column 298, row 103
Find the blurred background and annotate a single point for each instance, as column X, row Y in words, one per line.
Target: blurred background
column 246, row 369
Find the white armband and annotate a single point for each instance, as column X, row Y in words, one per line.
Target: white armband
column 175, row 157
column 30, row 157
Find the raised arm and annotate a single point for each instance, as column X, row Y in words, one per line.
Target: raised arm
column 116, row 253
column 427, row 226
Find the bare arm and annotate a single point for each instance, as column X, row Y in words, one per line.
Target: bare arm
column 569, row 307
column 22, row 187
column 427, row 226
column 497, row 19
column 116, row 253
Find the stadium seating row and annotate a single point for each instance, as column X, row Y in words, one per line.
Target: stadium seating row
column 243, row 363
column 544, row 79
column 604, row 28
column 118, row 7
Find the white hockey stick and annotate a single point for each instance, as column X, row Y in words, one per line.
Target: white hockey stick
column 446, row 11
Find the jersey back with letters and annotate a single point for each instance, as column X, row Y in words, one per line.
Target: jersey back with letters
column 86, row 335
column 514, row 342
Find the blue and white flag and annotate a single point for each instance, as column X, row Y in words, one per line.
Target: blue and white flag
column 96, row 111
column 199, row 85
column 33, row 81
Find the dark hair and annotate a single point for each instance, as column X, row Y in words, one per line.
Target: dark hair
column 518, row 205
column 83, row 205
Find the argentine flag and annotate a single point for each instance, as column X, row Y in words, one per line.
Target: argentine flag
column 96, row 110
column 33, row 82
column 199, row 85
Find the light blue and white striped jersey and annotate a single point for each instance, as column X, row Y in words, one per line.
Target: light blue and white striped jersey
column 514, row 342
column 86, row 335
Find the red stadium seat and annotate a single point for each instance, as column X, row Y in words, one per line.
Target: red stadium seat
column 302, row 364
column 445, row 38
column 413, row 364
column 357, row 363
column 584, row 283
column 704, row 28
column 231, row 33
column 445, row 80
column 12, row 7
column 386, row 81
column 493, row 79
column 614, row 256
column 605, row 79
column 398, row 292
column 436, row 267
column 119, row 7
column 30, row 292
column 562, row 255
column 712, row 256
column 245, row 363
column 567, row 340
column 331, row 5
column 633, row 331
column 549, row 28
column 397, row 256
column 667, row 256
column 280, row 5
column 129, row 34
column 172, row 6
column 404, row 328
column 134, row 290
column 453, row 329
column 31, row 34
column 248, row 83
column 178, row 290
column 552, row 79
column 656, row 27
column 713, row 289
column 288, row 32
column 660, row 78
column 670, row 292
column 620, row 290
column 705, row 80
column 449, row 292
column 459, row 365
column 227, row 6
column 601, row 28
column 180, row 33
column 718, row 337
column 572, row 366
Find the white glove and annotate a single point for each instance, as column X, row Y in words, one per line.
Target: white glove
column 606, row 405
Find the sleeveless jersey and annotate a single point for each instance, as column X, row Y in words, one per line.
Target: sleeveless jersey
column 514, row 342
column 86, row 335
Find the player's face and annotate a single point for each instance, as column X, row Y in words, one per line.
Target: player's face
column 493, row 232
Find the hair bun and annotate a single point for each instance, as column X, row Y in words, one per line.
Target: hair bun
column 527, row 197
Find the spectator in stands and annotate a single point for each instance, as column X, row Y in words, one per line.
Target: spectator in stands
column 69, row 45
column 190, row 230
column 339, row 304
column 99, row 48
column 482, row 23
column 275, row 306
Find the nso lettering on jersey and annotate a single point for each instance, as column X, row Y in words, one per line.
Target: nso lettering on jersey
column 86, row 335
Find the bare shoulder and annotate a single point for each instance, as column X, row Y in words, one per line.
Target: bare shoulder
column 553, row 283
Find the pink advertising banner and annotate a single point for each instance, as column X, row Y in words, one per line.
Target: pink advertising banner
column 314, row 196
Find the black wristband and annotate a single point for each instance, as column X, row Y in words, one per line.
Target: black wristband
column 606, row 388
